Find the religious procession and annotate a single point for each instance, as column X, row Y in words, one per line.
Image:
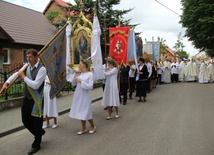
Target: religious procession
column 74, row 55
column 184, row 70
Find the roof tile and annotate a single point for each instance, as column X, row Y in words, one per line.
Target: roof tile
column 25, row 25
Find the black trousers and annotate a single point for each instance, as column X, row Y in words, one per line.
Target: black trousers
column 123, row 91
column 132, row 86
column 32, row 123
column 159, row 79
column 174, row 77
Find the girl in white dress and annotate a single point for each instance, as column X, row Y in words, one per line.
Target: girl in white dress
column 50, row 106
column 81, row 104
column 111, row 93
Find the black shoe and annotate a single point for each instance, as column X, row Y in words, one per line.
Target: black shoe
column 105, row 108
column 124, row 103
column 33, row 150
column 43, row 131
column 140, row 100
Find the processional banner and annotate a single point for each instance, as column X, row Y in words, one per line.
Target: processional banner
column 119, row 44
column 53, row 57
column 155, row 48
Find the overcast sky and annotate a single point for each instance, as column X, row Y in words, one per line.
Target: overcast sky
column 155, row 20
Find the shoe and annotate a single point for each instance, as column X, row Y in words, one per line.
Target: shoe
column 117, row 116
column 105, row 108
column 140, row 100
column 54, row 126
column 45, row 126
column 108, row 118
column 43, row 131
column 124, row 103
column 81, row 132
column 33, row 150
column 92, row 131
column 144, row 100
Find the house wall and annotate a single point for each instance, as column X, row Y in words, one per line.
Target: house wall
column 54, row 6
column 16, row 53
column 169, row 56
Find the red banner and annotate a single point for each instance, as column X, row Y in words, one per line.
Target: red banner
column 119, row 44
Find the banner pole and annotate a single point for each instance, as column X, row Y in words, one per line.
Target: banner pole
column 25, row 66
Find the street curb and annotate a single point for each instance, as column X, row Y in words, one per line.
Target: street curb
column 22, row 126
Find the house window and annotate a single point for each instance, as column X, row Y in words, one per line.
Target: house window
column 6, row 56
column 24, row 58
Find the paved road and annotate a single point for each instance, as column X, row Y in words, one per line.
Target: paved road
column 177, row 119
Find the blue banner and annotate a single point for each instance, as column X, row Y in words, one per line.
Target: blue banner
column 155, row 49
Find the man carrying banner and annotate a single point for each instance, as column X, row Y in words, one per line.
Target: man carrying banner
column 34, row 77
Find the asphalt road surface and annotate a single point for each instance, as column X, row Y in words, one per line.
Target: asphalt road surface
column 177, row 119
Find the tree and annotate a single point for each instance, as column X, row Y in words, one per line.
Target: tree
column 179, row 45
column 183, row 54
column 108, row 16
column 163, row 47
column 198, row 18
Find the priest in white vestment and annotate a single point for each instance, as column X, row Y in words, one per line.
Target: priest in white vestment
column 203, row 74
column 167, row 70
column 181, row 71
column 189, row 74
column 195, row 70
column 210, row 70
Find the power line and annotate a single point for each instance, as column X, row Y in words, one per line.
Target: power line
column 167, row 7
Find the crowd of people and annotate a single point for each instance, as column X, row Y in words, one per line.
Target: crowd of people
column 184, row 71
column 121, row 81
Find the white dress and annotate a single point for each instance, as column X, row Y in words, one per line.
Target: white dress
column 81, row 103
column 50, row 105
column 111, row 93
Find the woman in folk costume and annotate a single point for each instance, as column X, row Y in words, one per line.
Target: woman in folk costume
column 210, row 70
column 81, row 105
column 141, row 80
column 111, row 92
column 203, row 74
column 50, row 106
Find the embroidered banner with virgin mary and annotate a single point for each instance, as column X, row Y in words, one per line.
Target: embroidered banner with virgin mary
column 119, row 44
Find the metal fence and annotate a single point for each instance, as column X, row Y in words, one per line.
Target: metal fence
column 17, row 89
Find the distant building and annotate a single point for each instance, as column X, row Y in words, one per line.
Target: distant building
column 202, row 55
column 56, row 5
column 171, row 55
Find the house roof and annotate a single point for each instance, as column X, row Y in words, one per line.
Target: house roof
column 60, row 2
column 24, row 25
column 171, row 51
